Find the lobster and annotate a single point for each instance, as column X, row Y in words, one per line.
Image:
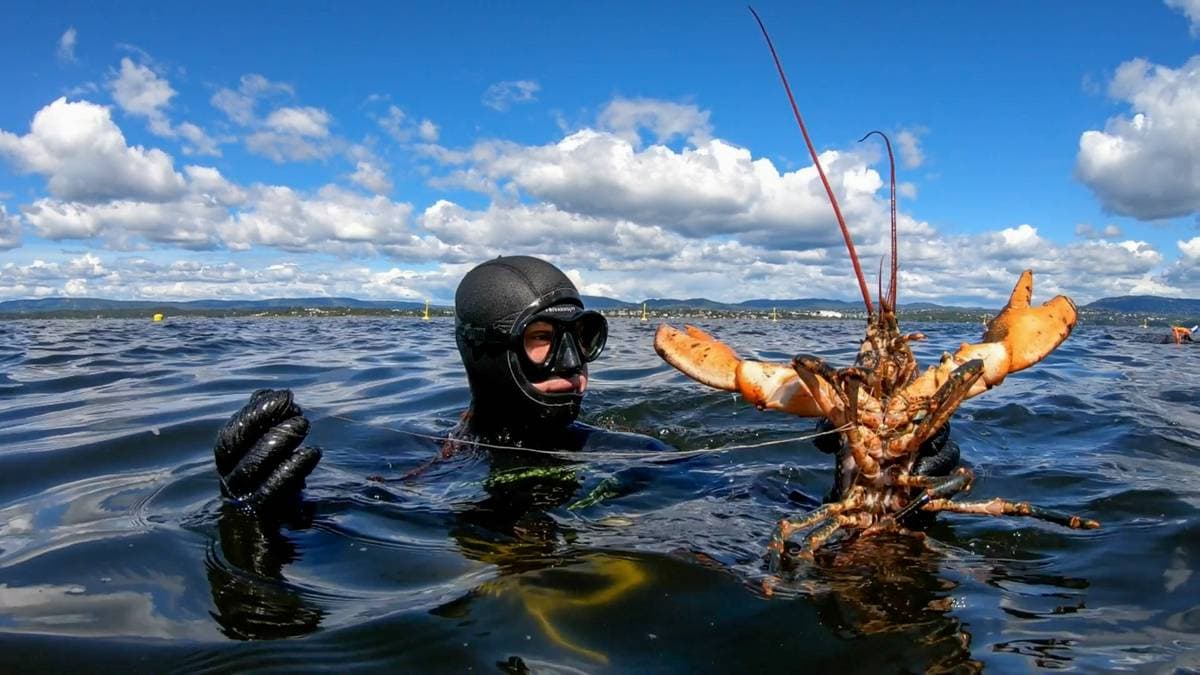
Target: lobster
column 882, row 407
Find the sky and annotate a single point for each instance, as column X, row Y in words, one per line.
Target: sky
column 175, row 151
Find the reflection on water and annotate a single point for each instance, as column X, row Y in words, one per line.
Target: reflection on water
column 114, row 548
column 245, row 569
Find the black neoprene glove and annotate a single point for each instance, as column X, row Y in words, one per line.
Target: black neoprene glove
column 259, row 457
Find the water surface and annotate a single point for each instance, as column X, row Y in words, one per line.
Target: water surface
column 115, row 551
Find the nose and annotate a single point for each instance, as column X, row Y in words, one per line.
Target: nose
column 566, row 360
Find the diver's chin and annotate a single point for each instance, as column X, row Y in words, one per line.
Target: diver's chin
column 576, row 384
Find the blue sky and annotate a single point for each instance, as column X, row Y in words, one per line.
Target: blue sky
column 378, row 151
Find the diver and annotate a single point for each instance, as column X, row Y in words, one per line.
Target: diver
column 525, row 340
column 1179, row 335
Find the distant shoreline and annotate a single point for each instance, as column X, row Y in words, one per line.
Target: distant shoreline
column 1087, row 317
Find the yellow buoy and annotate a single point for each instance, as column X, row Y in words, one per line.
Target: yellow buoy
column 158, row 317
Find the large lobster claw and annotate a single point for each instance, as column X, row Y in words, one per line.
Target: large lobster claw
column 703, row 358
column 1017, row 338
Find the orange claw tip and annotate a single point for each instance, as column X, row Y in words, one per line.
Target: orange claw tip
column 1030, row 333
column 1023, row 292
column 698, row 355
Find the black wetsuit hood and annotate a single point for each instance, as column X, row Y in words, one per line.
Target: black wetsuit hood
column 492, row 298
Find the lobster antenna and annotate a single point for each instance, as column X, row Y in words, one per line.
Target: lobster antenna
column 837, row 211
column 879, row 278
column 892, row 164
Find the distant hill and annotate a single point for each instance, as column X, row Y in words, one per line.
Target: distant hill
column 1146, row 304
column 800, row 305
column 690, row 303
column 601, row 302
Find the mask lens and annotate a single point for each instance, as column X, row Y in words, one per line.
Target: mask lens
column 592, row 329
column 538, row 341
column 541, row 337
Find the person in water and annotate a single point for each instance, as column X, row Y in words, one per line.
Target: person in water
column 1179, row 335
column 526, row 340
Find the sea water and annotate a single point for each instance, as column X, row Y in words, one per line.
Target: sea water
column 116, row 552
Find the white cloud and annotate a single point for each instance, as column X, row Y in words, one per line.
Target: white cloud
column 401, row 128
column 84, row 155
column 66, row 45
column 126, row 224
column 427, row 131
column 629, row 220
column 1184, row 273
column 371, row 177
column 503, row 95
column 714, row 189
column 395, row 123
column 208, row 184
column 309, row 122
column 517, row 226
column 215, row 213
column 1145, row 165
column 294, row 134
column 664, row 120
column 281, row 217
column 239, row 105
column 1190, row 248
column 10, row 229
column 140, row 91
column 282, row 148
column 1021, row 240
column 908, row 145
column 1190, row 9
column 1087, row 231
column 188, row 279
column 200, row 142
column 129, row 198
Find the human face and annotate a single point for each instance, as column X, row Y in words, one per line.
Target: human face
column 538, row 340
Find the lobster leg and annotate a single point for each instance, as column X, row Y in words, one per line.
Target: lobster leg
column 821, row 535
column 940, row 486
column 944, row 488
column 948, row 398
column 786, row 527
column 819, row 376
column 1003, row 507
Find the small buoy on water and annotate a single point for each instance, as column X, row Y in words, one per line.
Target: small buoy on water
column 158, row 317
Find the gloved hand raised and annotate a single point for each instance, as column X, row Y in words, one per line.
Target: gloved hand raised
column 258, row 453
